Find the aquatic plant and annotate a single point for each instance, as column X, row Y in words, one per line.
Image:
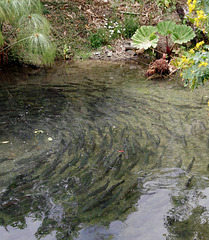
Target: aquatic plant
column 28, row 38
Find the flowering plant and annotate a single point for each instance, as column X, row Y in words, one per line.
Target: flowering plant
column 193, row 64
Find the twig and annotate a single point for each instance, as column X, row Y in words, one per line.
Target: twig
column 10, row 95
column 131, row 13
column 136, row 60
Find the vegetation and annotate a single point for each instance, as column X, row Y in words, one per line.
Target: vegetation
column 145, row 37
column 193, row 64
column 25, row 31
column 114, row 29
column 82, row 26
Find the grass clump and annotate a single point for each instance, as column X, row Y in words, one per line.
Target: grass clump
column 25, row 32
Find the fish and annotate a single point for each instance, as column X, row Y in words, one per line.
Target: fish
column 189, row 168
column 132, row 146
column 133, row 164
column 104, row 141
column 146, row 158
column 130, row 190
column 184, row 142
column 188, row 183
column 118, row 166
column 101, row 157
column 111, row 131
column 99, row 190
column 147, row 134
column 110, row 190
column 157, row 141
column 111, row 200
column 75, row 160
column 84, row 161
column 86, row 178
column 64, row 168
column 179, row 164
column 139, row 132
column 100, row 132
column 5, row 159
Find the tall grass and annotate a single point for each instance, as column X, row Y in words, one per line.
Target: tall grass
column 30, row 31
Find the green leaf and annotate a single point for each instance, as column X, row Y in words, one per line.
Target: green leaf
column 165, row 27
column 145, row 37
column 182, row 34
column 1, row 39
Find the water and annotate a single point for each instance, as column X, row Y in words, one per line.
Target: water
column 93, row 150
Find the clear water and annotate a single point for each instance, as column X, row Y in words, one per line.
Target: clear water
column 93, row 150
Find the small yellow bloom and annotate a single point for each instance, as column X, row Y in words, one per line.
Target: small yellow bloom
column 203, row 64
column 181, row 75
column 201, row 15
column 199, row 44
column 188, row 2
column 208, row 103
column 191, row 7
column 191, row 50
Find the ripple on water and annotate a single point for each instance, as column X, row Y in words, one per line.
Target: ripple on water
column 120, row 155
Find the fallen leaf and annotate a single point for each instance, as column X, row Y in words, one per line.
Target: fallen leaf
column 4, row 142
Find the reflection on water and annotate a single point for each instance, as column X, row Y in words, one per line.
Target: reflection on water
column 92, row 150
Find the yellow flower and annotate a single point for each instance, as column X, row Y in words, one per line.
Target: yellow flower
column 201, row 15
column 196, row 22
column 181, row 75
column 203, row 64
column 188, row 2
column 208, row 103
column 191, row 7
column 199, row 44
column 184, row 59
column 191, row 50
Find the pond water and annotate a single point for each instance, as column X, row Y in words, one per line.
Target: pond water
column 93, row 150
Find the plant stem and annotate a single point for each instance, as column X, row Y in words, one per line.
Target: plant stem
column 14, row 44
column 173, row 46
column 157, row 50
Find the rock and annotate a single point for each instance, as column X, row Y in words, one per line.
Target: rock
column 130, row 52
column 109, row 54
column 129, row 46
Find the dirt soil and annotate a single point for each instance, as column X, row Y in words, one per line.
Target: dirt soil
column 73, row 20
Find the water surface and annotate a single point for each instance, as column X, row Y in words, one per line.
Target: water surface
column 93, row 150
